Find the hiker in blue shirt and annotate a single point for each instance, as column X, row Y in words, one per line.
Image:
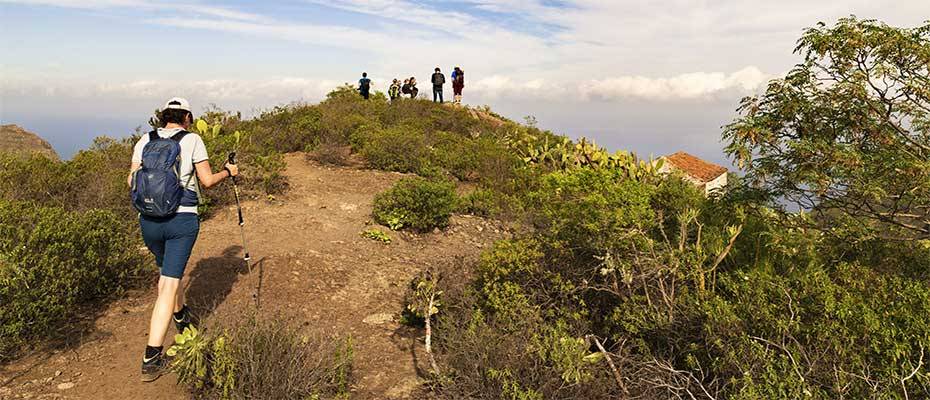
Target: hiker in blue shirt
column 364, row 85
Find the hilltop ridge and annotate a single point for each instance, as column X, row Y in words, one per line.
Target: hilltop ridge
column 15, row 139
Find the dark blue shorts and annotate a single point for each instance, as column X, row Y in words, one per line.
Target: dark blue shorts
column 171, row 240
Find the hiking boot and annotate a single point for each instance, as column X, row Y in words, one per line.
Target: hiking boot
column 153, row 368
column 185, row 321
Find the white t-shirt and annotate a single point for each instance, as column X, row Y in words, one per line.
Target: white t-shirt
column 192, row 151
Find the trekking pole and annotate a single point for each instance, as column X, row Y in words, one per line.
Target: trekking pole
column 247, row 258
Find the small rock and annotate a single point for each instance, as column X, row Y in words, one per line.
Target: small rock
column 49, row 379
column 57, row 373
column 435, row 230
column 65, row 386
column 379, row 319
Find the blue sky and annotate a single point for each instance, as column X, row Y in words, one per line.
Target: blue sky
column 649, row 76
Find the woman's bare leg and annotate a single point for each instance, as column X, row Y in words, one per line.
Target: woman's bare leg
column 164, row 307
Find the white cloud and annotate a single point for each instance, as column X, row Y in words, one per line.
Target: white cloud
column 273, row 90
column 185, row 8
column 414, row 15
column 306, row 33
column 685, row 86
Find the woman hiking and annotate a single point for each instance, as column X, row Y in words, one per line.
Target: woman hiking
column 166, row 164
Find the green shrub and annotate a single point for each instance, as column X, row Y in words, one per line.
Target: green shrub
column 481, row 159
column 416, row 203
column 54, row 263
column 591, row 207
column 286, row 129
column 263, row 358
column 331, row 154
column 376, row 235
column 480, row 202
column 604, row 263
column 262, row 165
column 94, row 178
column 399, row 149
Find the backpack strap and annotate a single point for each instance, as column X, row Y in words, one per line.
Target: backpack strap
column 178, row 136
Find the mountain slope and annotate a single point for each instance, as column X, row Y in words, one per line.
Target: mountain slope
column 18, row 140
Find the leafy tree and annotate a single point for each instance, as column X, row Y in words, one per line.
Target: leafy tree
column 847, row 132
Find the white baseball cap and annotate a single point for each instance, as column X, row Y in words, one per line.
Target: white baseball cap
column 178, row 103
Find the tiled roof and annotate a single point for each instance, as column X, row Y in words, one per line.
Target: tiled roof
column 695, row 167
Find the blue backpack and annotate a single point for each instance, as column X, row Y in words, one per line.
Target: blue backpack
column 156, row 185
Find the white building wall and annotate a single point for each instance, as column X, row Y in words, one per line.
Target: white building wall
column 716, row 184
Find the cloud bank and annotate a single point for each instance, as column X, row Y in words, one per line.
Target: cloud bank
column 696, row 87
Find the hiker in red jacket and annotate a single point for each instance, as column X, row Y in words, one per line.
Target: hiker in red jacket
column 458, row 83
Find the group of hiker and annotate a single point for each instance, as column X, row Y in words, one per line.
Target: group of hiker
column 409, row 86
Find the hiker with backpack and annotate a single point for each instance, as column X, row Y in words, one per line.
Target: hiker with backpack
column 458, row 83
column 394, row 90
column 438, row 80
column 364, row 85
column 168, row 167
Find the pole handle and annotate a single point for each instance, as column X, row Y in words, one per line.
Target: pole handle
column 232, row 160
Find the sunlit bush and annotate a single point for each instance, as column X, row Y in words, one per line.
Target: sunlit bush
column 53, row 263
column 416, row 203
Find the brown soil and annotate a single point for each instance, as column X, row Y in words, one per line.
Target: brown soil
column 314, row 267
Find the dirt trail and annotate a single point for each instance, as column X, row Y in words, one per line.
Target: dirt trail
column 314, row 266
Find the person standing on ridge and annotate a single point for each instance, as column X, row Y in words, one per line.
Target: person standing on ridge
column 438, row 80
column 413, row 88
column 166, row 164
column 405, row 89
column 394, row 90
column 364, row 85
column 458, row 83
